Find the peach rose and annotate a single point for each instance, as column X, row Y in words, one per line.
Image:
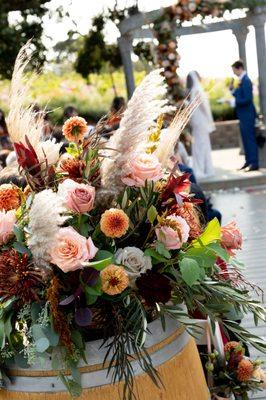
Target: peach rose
column 173, row 232
column 7, row 222
column 141, row 168
column 231, row 238
column 78, row 197
column 70, row 250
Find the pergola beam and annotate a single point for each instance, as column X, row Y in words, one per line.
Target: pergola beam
column 138, row 27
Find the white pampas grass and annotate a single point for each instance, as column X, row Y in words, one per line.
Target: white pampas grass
column 146, row 105
column 22, row 120
column 166, row 147
column 45, row 219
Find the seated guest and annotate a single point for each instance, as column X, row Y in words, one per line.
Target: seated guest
column 10, row 174
column 69, row 112
column 4, row 135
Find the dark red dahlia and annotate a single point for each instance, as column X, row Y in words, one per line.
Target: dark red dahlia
column 18, row 277
column 154, row 287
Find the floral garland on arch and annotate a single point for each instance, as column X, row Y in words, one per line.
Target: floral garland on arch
column 105, row 239
column 165, row 27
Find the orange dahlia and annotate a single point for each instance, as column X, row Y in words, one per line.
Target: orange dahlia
column 245, row 370
column 9, row 197
column 114, row 280
column 74, row 129
column 114, row 223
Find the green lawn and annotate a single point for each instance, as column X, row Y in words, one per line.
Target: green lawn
column 93, row 98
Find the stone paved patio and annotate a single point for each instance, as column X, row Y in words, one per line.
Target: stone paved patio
column 227, row 176
column 249, row 209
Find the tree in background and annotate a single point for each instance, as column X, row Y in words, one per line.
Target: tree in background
column 13, row 36
column 95, row 54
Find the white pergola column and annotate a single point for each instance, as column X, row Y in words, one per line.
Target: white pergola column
column 241, row 34
column 259, row 25
column 125, row 47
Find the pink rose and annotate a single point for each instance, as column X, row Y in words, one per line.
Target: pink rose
column 70, row 250
column 7, row 222
column 231, row 238
column 140, row 168
column 78, row 197
column 173, row 233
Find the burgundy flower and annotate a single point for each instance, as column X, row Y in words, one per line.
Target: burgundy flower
column 154, row 287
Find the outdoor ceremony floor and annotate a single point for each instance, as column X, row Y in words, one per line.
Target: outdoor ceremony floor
column 226, row 163
column 248, row 207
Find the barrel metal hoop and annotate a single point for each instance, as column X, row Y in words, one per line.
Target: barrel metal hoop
column 91, row 368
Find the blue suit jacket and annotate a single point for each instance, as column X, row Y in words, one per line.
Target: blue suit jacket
column 244, row 100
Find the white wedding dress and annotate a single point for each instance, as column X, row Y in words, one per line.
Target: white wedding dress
column 202, row 124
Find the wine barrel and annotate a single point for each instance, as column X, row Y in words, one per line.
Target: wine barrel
column 174, row 355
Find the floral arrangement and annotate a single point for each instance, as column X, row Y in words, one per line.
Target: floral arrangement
column 235, row 374
column 104, row 239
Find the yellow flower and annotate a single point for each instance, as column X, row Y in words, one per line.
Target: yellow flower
column 10, row 197
column 114, row 280
column 114, row 223
column 245, row 370
column 74, row 129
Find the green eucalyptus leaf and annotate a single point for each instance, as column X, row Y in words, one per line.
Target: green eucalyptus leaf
column 18, row 233
column 42, row 345
column 37, row 331
column 21, row 361
column 21, row 248
column 51, row 335
column 35, row 311
column 56, row 363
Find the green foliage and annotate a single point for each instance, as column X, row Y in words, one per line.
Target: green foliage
column 95, row 53
column 93, row 100
column 13, row 36
column 55, row 92
column 190, row 271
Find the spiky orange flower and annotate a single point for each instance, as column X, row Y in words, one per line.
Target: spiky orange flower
column 18, row 277
column 189, row 213
column 73, row 168
column 114, row 223
column 74, row 129
column 245, row 370
column 114, row 280
column 231, row 346
column 9, row 197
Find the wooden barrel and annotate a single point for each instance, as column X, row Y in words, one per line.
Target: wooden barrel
column 173, row 352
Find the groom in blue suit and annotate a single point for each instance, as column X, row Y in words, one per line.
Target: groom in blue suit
column 246, row 113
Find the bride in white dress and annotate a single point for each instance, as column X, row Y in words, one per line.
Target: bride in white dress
column 202, row 124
